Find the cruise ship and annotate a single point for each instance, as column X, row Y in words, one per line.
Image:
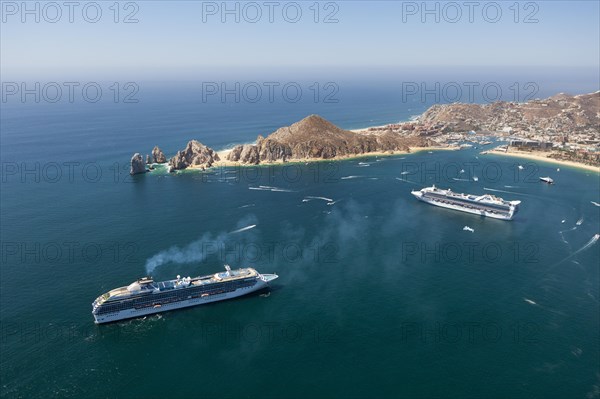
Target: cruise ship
column 145, row 296
column 484, row 205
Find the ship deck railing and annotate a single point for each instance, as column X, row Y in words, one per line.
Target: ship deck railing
column 236, row 275
column 497, row 207
column 469, row 206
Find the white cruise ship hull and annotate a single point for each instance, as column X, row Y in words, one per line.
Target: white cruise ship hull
column 132, row 313
column 480, row 212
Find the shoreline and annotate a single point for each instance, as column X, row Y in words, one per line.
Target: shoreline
column 538, row 156
column 225, row 163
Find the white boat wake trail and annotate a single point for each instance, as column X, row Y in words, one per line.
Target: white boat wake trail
column 509, row 192
column 578, row 223
column 591, row 242
column 562, row 237
column 534, row 303
column 269, row 188
column 502, row 191
column 319, row 198
column 243, row 229
column 407, row 181
column 529, row 301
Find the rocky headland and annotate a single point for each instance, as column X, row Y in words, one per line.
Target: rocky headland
column 561, row 118
column 314, row 138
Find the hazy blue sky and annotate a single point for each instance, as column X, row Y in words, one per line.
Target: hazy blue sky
column 177, row 38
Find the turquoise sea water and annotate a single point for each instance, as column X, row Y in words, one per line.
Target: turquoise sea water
column 379, row 294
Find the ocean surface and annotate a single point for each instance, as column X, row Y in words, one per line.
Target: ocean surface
column 379, row 295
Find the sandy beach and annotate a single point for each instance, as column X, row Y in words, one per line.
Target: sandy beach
column 540, row 156
column 537, row 156
column 225, row 163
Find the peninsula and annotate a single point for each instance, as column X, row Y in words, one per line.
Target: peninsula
column 562, row 129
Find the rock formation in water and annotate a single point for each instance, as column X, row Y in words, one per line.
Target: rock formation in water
column 158, row 155
column 195, row 155
column 315, row 137
column 137, row 164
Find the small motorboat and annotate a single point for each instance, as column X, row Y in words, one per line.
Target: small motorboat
column 547, row 179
